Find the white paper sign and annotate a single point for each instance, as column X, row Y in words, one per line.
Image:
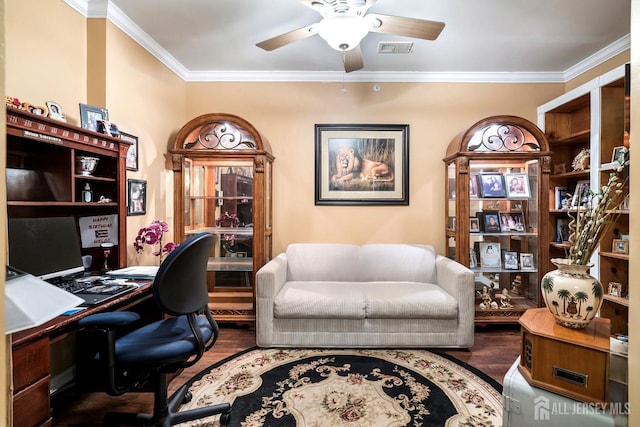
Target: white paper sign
column 95, row 230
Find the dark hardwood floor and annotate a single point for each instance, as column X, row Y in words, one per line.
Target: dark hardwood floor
column 496, row 348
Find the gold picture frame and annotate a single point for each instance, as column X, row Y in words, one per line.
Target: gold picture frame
column 619, row 246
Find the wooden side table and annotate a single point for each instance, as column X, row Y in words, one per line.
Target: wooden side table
column 570, row 362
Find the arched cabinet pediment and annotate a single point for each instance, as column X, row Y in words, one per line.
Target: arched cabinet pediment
column 222, row 185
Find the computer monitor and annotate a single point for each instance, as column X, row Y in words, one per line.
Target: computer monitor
column 47, row 248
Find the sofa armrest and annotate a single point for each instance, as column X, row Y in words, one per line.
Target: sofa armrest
column 269, row 280
column 458, row 281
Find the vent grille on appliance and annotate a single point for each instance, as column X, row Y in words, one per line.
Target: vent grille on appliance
column 395, row 47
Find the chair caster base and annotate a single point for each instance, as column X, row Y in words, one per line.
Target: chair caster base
column 225, row 418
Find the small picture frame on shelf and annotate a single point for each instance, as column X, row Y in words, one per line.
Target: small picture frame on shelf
column 619, row 246
column 473, row 186
column 136, row 197
column 491, row 184
column 619, row 154
column 562, row 230
column 90, row 116
column 473, row 259
column 515, row 206
column 562, row 201
column 510, row 260
column 492, row 205
column 491, row 223
column 55, row 111
column 512, row 221
column 580, row 197
column 474, row 225
column 517, row 185
column 526, row 261
column 490, row 255
column 615, row 289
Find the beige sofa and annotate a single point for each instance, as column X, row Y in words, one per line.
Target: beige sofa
column 375, row 295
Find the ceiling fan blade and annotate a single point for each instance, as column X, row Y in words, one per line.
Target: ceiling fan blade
column 353, row 59
column 408, row 27
column 286, row 38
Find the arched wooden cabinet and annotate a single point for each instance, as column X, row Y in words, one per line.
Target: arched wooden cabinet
column 497, row 180
column 222, row 185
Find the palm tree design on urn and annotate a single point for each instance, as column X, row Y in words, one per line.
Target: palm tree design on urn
column 572, row 295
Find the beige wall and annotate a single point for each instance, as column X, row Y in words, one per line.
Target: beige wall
column 287, row 112
column 46, row 54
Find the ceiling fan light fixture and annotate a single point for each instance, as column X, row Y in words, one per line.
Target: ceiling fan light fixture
column 343, row 32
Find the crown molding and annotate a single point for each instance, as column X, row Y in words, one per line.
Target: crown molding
column 108, row 10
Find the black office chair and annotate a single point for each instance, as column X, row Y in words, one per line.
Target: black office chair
column 117, row 363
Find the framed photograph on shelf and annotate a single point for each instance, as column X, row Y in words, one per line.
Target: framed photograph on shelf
column 473, row 186
column 474, row 225
column 491, row 184
column 361, row 164
column 492, row 205
column 510, row 260
column 491, row 223
column 136, row 197
column 581, row 194
column 490, row 254
column 473, row 259
column 517, row 185
column 619, row 246
column 55, row 111
column 562, row 201
column 615, row 289
column 619, row 154
column 90, row 116
column 515, row 206
column 132, row 152
column 562, row 230
column 526, row 261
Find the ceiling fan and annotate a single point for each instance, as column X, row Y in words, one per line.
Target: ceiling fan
column 346, row 22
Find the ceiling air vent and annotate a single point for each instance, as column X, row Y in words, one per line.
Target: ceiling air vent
column 395, row 47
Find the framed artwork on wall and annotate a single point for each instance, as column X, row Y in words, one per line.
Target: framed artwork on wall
column 364, row 164
column 132, row 152
column 90, row 116
column 136, row 197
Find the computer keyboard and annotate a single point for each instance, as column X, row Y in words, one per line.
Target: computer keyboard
column 89, row 284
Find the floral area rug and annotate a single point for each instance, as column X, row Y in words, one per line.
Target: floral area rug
column 351, row 387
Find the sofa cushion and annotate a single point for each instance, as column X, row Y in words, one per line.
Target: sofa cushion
column 408, row 300
column 334, row 262
column 321, row 300
column 359, row 300
column 398, row 263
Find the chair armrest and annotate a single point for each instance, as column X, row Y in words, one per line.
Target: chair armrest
column 458, row 281
column 269, row 280
column 109, row 320
column 271, row 277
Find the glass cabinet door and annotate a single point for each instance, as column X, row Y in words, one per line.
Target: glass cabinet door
column 222, row 168
column 503, row 233
column 219, row 201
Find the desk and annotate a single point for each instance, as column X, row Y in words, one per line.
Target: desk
column 31, row 355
